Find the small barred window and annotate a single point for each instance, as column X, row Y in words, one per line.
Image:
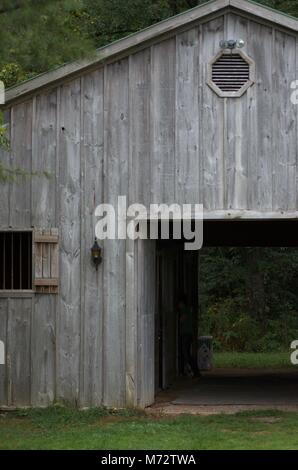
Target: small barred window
column 15, row 260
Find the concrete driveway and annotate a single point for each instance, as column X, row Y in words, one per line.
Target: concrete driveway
column 241, row 387
column 232, row 390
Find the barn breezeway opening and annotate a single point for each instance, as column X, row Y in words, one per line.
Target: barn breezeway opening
column 241, row 288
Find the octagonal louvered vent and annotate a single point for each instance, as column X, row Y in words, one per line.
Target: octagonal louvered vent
column 230, row 74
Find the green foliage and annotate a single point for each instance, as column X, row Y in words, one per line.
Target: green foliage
column 4, row 142
column 231, row 328
column 38, row 36
column 286, row 6
column 108, row 20
column 9, row 174
column 249, row 298
column 11, row 74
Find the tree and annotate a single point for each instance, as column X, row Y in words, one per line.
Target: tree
column 248, row 297
column 36, row 36
column 39, row 35
column 108, row 20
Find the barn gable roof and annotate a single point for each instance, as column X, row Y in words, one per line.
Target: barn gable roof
column 143, row 38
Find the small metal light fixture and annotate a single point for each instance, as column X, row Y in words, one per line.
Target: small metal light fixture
column 232, row 44
column 96, row 254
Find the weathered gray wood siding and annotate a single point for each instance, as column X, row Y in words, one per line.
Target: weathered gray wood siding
column 149, row 127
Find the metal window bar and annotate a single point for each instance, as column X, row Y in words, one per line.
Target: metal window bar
column 20, row 258
column 12, row 260
column 15, row 260
column 4, row 262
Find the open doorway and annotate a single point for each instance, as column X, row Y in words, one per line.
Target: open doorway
column 177, row 276
column 245, row 245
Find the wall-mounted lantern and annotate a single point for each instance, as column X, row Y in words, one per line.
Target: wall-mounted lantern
column 96, row 254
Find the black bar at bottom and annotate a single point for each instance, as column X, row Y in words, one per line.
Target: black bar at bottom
column 136, row 459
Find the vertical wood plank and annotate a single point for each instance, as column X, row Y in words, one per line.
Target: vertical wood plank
column 5, row 186
column 187, row 157
column 139, row 121
column 260, row 124
column 46, row 257
column 37, row 257
column 3, row 338
column 284, row 117
column 131, row 325
column 296, row 114
column 146, row 285
column 68, row 326
column 212, row 120
column 44, row 160
column 236, row 141
column 116, row 183
column 43, row 350
column 168, row 316
column 21, row 157
column 54, row 254
column 92, row 281
column 18, row 351
column 149, row 329
column 163, row 122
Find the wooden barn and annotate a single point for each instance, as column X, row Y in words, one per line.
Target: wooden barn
column 195, row 109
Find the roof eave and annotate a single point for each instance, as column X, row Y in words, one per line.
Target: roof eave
column 141, row 39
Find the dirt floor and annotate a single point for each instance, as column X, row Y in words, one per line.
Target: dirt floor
column 230, row 391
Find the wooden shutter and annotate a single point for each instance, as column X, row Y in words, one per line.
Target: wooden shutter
column 46, row 255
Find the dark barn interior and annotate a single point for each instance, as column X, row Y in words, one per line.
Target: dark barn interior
column 177, row 273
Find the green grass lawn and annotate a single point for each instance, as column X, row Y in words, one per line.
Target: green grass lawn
column 64, row 428
column 272, row 360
